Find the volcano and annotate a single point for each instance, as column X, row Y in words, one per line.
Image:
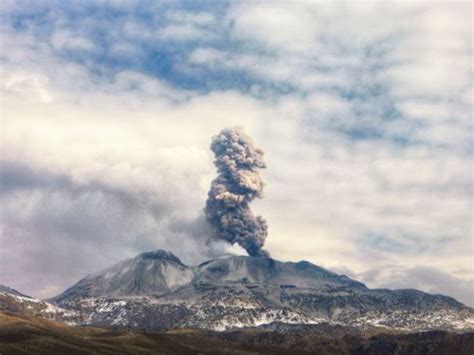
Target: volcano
column 157, row 291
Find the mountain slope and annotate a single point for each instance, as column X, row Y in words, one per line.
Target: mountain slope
column 13, row 301
column 27, row 335
column 151, row 273
column 155, row 291
column 269, row 271
column 8, row 290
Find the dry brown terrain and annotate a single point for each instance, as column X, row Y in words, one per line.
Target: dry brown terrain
column 29, row 335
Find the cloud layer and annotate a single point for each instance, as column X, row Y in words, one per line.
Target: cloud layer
column 364, row 112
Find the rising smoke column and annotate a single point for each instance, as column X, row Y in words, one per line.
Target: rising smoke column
column 227, row 207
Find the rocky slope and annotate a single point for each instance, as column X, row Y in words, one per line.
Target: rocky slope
column 15, row 302
column 149, row 274
column 156, row 291
column 30, row 335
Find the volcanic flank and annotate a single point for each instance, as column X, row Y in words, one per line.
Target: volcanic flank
column 156, row 291
column 238, row 183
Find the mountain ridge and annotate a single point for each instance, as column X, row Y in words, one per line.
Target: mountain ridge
column 227, row 269
column 221, row 270
column 156, row 291
column 12, row 291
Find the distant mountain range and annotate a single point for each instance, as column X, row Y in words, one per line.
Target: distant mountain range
column 156, row 291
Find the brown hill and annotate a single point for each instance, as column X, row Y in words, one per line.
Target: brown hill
column 22, row 335
column 29, row 335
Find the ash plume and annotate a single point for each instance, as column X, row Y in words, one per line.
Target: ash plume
column 238, row 183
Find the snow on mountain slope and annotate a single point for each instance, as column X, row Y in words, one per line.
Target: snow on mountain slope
column 269, row 271
column 160, row 273
column 152, row 273
column 8, row 290
column 16, row 302
column 156, row 291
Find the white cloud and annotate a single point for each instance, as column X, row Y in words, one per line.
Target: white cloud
column 125, row 50
column 207, row 56
column 32, row 87
column 278, row 24
column 182, row 32
column 435, row 54
column 332, row 197
column 196, row 18
column 68, row 40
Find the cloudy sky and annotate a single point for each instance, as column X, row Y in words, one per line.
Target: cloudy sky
column 363, row 110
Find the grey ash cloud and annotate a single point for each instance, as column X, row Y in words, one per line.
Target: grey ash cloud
column 55, row 230
column 237, row 185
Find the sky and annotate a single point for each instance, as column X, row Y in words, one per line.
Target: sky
column 364, row 111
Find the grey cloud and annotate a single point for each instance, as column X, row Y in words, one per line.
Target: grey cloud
column 56, row 231
column 395, row 243
column 78, row 210
column 425, row 278
column 14, row 176
column 428, row 279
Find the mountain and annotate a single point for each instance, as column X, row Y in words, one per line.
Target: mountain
column 156, row 291
column 13, row 301
column 149, row 274
column 158, row 273
column 8, row 290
